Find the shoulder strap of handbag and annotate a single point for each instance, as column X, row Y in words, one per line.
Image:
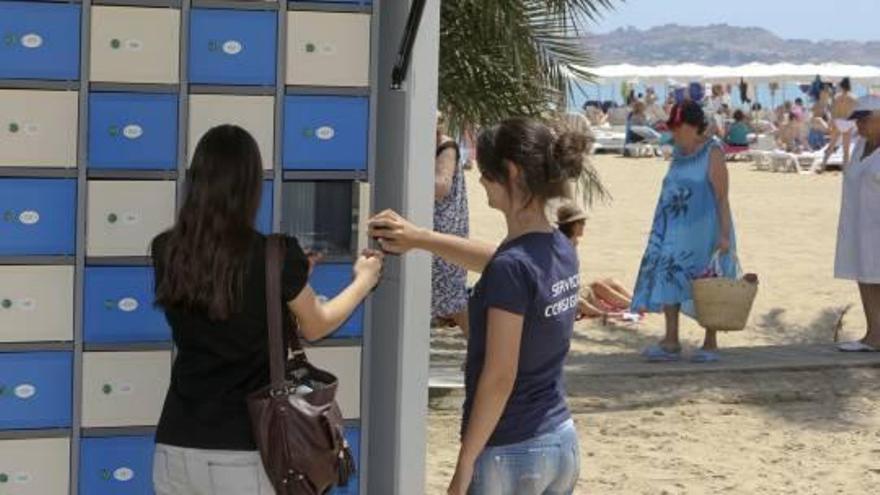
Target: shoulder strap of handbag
column 275, row 247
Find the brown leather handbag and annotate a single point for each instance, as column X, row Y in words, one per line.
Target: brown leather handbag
column 296, row 420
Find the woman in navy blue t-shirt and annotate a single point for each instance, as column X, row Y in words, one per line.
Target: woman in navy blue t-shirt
column 517, row 433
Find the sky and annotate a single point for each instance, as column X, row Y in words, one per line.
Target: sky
column 803, row 19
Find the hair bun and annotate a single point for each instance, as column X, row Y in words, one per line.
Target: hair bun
column 569, row 154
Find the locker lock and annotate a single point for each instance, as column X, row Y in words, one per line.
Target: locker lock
column 10, row 39
column 112, row 218
column 115, row 43
column 9, row 216
column 107, row 389
column 5, row 304
column 14, row 127
column 310, row 48
column 4, row 477
column 105, row 474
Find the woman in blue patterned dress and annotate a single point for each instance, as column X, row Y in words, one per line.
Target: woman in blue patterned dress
column 691, row 223
column 449, row 296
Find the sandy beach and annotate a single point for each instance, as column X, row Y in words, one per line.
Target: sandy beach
column 807, row 432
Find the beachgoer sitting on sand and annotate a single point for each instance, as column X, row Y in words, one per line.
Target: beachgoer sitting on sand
column 791, row 135
column 605, row 298
column 738, row 132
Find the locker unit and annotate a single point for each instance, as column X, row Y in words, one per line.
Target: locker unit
column 135, row 45
column 325, row 132
column 328, row 49
column 124, row 388
column 36, row 303
column 35, row 390
column 76, row 288
column 40, row 41
column 125, row 216
column 119, row 306
column 38, row 128
column 39, row 466
column 132, row 131
column 328, row 280
column 255, row 114
column 116, row 465
column 345, row 363
column 232, row 47
column 37, row 216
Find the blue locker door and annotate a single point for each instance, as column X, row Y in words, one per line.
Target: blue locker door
column 35, row 390
column 133, row 131
column 325, row 132
column 119, row 306
column 232, row 47
column 328, row 280
column 116, row 466
column 39, row 41
column 353, row 436
column 264, row 215
column 37, row 216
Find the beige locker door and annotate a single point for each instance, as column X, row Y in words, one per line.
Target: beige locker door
column 35, row 467
column 125, row 216
column 255, row 114
column 328, row 49
column 124, row 388
column 38, row 128
column 135, row 45
column 345, row 363
column 36, row 303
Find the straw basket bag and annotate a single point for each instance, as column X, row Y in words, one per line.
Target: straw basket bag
column 723, row 304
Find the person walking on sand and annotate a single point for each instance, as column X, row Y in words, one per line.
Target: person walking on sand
column 692, row 223
column 518, row 436
column 842, row 128
column 858, row 236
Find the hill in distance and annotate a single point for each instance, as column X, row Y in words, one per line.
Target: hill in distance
column 722, row 44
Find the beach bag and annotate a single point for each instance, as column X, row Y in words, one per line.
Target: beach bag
column 724, row 304
column 296, row 421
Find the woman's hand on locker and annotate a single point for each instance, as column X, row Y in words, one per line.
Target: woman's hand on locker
column 395, row 234
column 368, row 267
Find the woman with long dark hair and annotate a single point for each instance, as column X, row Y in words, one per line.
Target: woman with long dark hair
column 210, row 281
column 518, row 437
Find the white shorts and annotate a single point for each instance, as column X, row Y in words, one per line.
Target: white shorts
column 844, row 125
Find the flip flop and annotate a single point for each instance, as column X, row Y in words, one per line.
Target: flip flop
column 856, row 346
column 657, row 354
column 704, row 356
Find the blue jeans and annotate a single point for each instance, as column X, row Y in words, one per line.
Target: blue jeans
column 545, row 465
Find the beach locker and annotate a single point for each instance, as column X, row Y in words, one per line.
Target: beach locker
column 38, row 128
column 255, row 114
column 37, row 466
column 36, row 303
column 264, row 214
column 328, row 49
column 124, row 388
column 119, row 306
column 345, row 363
column 321, row 215
column 234, row 47
column 117, row 465
column 135, row 45
column 39, row 40
column 37, row 216
column 353, row 437
column 325, row 132
column 133, row 131
column 328, row 280
column 125, row 216
column 35, row 390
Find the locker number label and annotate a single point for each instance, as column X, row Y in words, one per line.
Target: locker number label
column 133, row 131
column 123, row 474
column 128, row 304
column 25, row 391
column 32, row 40
column 27, row 304
column 232, row 47
column 29, row 217
column 325, row 133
